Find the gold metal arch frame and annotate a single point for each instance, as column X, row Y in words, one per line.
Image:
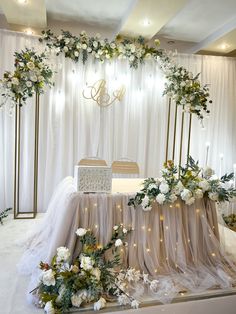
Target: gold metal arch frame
column 17, row 213
column 185, row 118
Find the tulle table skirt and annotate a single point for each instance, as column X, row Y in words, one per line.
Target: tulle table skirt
column 178, row 241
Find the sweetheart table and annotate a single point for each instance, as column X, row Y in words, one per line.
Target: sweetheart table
column 176, row 240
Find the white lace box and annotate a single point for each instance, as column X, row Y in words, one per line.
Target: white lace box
column 93, row 179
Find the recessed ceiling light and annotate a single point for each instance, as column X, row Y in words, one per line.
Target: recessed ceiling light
column 22, row 1
column 224, row 46
column 146, row 22
column 28, row 31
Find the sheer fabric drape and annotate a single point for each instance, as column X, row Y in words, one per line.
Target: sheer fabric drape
column 72, row 127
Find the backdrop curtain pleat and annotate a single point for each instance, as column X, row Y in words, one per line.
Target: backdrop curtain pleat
column 72, row 127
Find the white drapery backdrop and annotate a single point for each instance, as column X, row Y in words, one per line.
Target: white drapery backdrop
column 72, row 127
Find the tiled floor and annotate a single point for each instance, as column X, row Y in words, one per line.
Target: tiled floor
column 13, row 287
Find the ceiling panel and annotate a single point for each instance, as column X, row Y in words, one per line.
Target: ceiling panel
column 99, row 12
column 199, row 19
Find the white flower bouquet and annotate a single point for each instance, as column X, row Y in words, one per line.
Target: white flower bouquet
column 90, row 278
column 187, row 183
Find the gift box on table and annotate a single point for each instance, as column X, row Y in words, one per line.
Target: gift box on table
column 93, row 179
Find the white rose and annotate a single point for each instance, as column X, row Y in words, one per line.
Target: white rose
column 29, row 84
column 86, row 262
column 33, row 78
column 135, row 304
column 125, row 230
column 65, row 49
column 208, row 172
column 179, row 188
column 102, row 43
column 96, row 273
column 49, row 309
column 95, row 44
column 81, row 232
column 145, row 201
column 182, row 84
column 152, row 186
column 113, row 45
column 76, row 53
column 30, row 65
column 190, row 201
column 213, row 196
column 160, row 198
column 15, row 81
column 115, row 228
column 89, row 49
column 198, row 193
column 132, row 48
column 76, row 300
column 99, row 304
column 118, row 242
column 131, row 58
column 59, row 37
column 58, row 49
column 63, row 254
column 48, row 278
column 172, row 198
column 204, row 185
column 67, row 41
column 164, row 188
column 108, row 56
column 84, row 46
column 186, row 194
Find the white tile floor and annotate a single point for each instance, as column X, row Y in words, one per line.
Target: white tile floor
column 13, row 286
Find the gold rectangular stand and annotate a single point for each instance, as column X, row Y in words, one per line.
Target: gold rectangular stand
column 17, row 213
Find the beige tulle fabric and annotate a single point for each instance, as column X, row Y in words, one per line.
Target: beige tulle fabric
column 173, row 242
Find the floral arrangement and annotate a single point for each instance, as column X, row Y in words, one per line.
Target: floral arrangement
column 188, row 183
column 31, row 75
column 4, row 214
column 230, row 220
column 92, row 277
column 185, row 88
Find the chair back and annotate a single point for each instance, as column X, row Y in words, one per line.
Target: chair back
column 125, row 168
column 92, row 161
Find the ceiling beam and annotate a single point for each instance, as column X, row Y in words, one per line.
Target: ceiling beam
column 214, row 37
column 149, row 16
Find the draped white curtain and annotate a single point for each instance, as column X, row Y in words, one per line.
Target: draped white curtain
column 72, row 127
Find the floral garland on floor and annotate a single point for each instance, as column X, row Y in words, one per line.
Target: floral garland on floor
column 4, row 214
column 91, row 278
column 31, row 75
column 189, row 183
column 185, row 88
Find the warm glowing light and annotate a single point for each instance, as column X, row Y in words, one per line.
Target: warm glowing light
column 197, row 211
column 149, row 229
column 95, row 204
column 143, row 227
column 29, row 31
column 118, row 206
column 148, row 250
column 96, row 226
column 167, row 227
column 161, row 218
column 161, row 240
column 146, row 22
column 22, row 1
column 213, row 254
column 224, row 46
column 134, row 245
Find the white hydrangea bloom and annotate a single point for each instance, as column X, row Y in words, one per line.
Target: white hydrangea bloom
column 96, row 273
column 164, row 187
column 198, row 193
column 118, row 242
column 204, row 185
column 86, row 262
column 213, row 196
column 190, row 201
column 81, row 232
column 63, row 254
column 47, row 277
column 186, row 194
column 135, row 304
column 160, row 198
